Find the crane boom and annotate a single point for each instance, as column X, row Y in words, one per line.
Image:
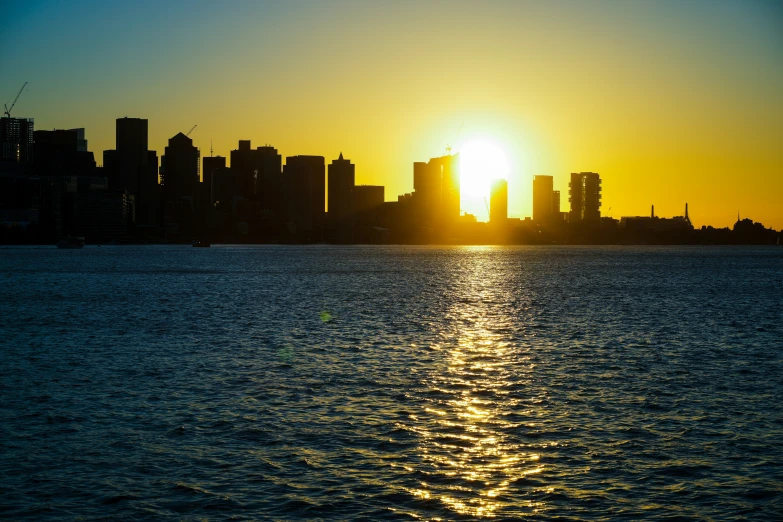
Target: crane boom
column 191, row 130
column 7, row 108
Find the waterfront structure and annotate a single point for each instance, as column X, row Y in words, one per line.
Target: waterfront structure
column 341, row 181
column 179, row 168
column 585, row 196
column 304, row 178
column 498, row 202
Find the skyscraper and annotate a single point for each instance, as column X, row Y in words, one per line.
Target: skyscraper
column 211, row 164
column 436, row 187
column 342, row 177
column 305, row 191
column 498, row 202
column 179, row 168
column 133, row 168
column 585, row 196
column 542, row 198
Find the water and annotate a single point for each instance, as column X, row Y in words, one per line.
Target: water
column 398, row 383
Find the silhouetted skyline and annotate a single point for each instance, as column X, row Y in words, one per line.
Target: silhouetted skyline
column 668, row 101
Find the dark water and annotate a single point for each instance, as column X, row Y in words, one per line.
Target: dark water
column 391, row 383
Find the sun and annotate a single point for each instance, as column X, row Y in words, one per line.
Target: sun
column 481, row 161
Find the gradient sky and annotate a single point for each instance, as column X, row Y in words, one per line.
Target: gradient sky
column 669, row 101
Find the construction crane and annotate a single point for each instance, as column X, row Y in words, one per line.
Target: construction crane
column 191, row 130
column 7, row 109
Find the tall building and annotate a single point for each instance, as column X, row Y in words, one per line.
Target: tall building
column 542, row 198
column 132, row 167
column 342, row 177
column 305, row 191
column 498, row 202
column 260, row 170
column 585, row 196
column 179, row 168
column 16, row 140
column 211, row 164
column 436, row 186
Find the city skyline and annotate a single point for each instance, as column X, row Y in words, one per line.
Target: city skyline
column 668, row 102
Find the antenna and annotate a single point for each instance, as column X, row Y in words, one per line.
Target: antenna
column 454, row 140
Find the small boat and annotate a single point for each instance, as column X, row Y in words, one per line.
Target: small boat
column 71, row 242
column 202, row 244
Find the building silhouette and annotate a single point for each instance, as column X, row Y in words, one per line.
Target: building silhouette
column 341, row 181
column 132, row 167
column 179, row 168
column 436, row 186
column 16, row 140
column 498, row 202
column 210, row 165
column 543, row 199
column 367, row 198
column 304, row 179
column 585, row 196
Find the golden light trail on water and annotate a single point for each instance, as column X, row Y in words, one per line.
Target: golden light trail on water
column 465, row 447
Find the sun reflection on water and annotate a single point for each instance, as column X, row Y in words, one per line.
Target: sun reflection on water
column 466, row 446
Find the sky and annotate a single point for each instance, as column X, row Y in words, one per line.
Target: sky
column 669, row 101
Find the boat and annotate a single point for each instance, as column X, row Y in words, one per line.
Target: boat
column 202, row 244
column 71, row 242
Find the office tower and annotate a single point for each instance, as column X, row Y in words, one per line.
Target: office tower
column 436, row 187
column 211, row 164
column 498, row 202
column 342, row 177
column 585, row 196
column 130, row 166
column 62, row 153
column 305, row 191
column 367, row 198
column 16, row 140
column 542, row 198
column 179, row 168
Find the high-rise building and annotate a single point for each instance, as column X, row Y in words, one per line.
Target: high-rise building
column 16, row 140
column 132, row 167
column 498, row 202
column 436, row 187
column 342, row 177
column 305, row 191
column 542, row 198
column 585, row 196
column 179, row 168
column 260, row 170
column 211, row 164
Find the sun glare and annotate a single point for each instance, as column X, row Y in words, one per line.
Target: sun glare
column 480, row 162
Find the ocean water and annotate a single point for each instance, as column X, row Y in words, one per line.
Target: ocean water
column 391, row 383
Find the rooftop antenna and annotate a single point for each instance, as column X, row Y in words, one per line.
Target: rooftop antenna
column 448, row 147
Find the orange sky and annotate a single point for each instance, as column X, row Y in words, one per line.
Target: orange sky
column 671, row 102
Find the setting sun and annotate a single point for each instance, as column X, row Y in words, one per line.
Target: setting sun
column 481, row 161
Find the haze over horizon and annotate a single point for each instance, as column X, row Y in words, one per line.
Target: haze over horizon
column 670, row 102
